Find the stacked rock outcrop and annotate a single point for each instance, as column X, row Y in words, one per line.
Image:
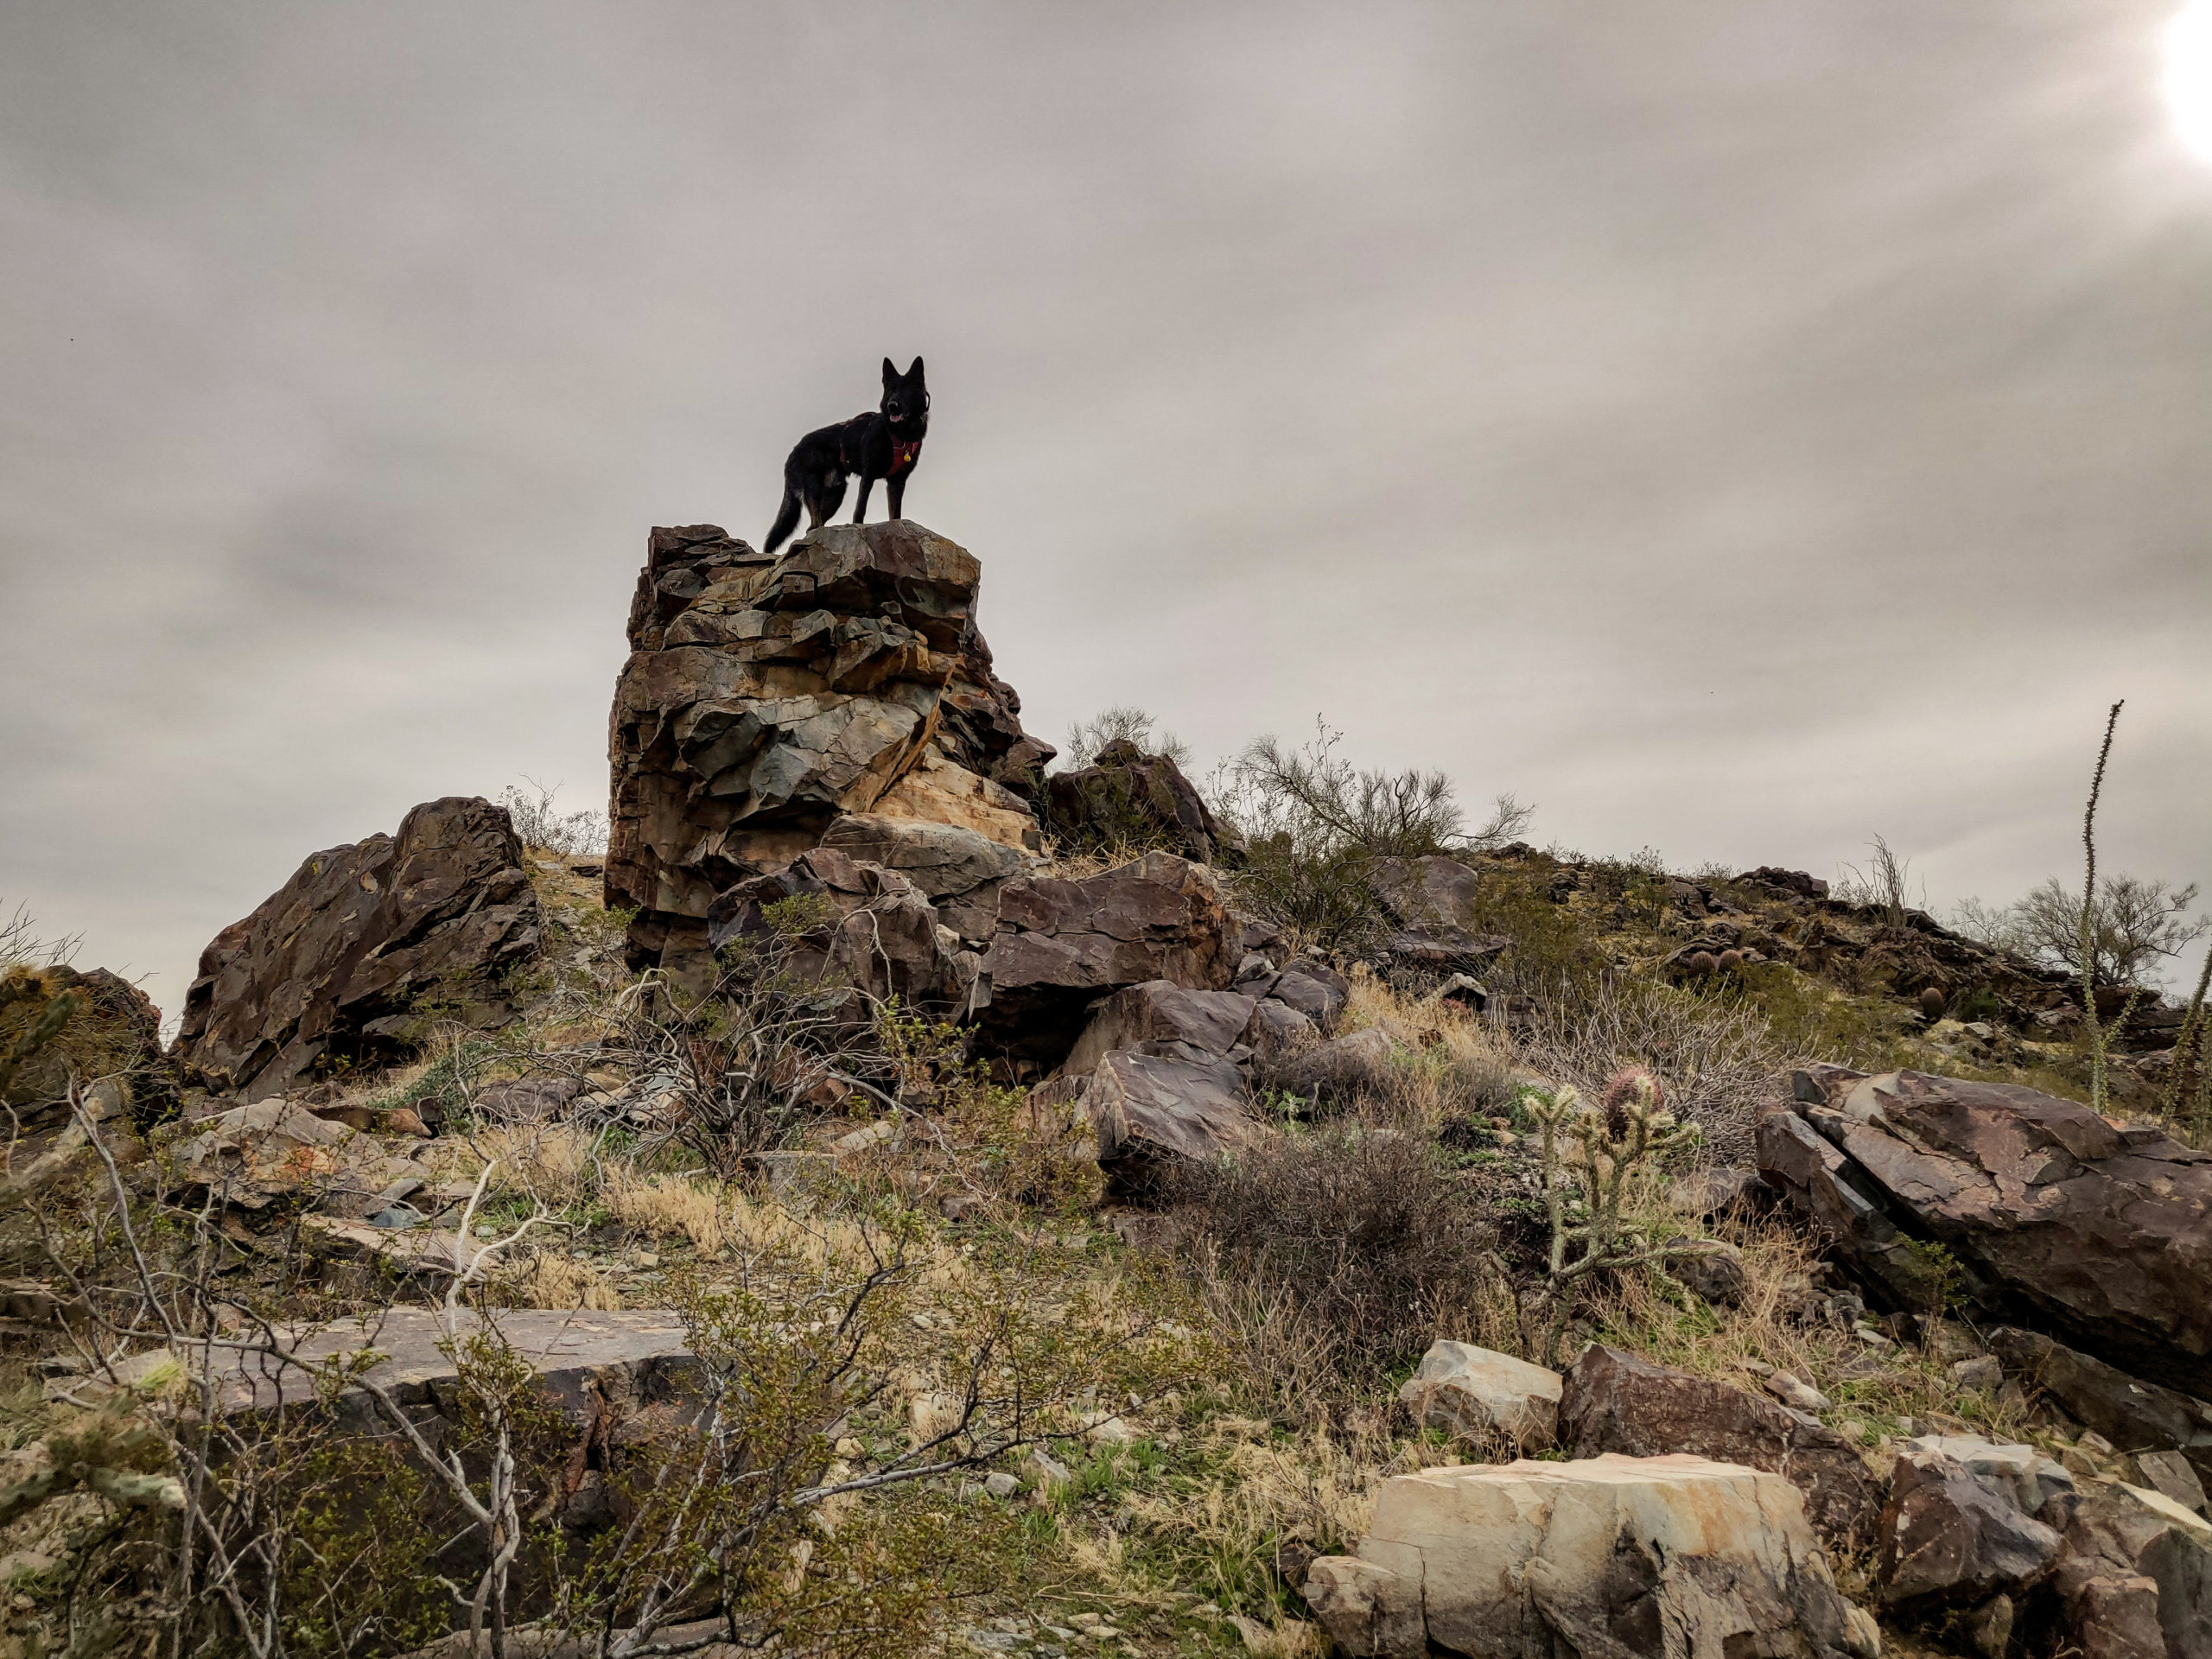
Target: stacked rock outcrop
column 764, row 699
column 333, row 962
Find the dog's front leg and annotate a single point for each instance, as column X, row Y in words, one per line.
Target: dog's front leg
column 861, row 511
column 895, row 488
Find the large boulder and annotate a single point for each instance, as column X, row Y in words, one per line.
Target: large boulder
column 1431, row 905
column 2059, row 1219
column 958, row 870
column 2136, row 1578
column 1615, row 1402
column 764, row 698
column 1125, row 797
column 876, row 936
column 2134, row 1415
column 1152, row 1112
column 1163, row 1018
column 1475, row 1392
column 1950, row 1537
column 1613, row 1556
column 1062, row 945
column 329, row 966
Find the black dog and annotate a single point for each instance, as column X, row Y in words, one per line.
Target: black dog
column 885, row 444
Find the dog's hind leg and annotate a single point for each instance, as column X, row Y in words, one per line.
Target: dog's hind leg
column 860, row 512
column 823, row 507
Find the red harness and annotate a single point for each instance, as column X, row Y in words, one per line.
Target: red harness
column 904, row 454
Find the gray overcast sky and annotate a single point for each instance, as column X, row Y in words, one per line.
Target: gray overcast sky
column 1739, row 427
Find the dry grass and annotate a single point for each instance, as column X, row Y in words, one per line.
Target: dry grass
column 668, row 1206
column 1717, row 1061
column 552, row 1279
column 550, row 1164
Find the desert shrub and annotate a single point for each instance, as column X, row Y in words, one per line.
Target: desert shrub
column 1122, row 723
column 1714, row 1056
column 2134, row 926
column 1313, row 820
column 1883, row 886
column 1354, row 1235
column 543, row 828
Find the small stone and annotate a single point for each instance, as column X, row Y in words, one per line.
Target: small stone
column 646, row 1259
column 1109, row 1430
column 1989, row 1627
column 1796, row 1393
column 998, row 1483
column 1042, row 1468
column 1983, row 1374
column 2095, row 1445
column 850, row 1447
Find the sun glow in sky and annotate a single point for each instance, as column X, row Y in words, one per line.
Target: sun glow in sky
column 2188, row 76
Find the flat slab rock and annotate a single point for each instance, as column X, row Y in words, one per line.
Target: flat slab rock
column 1610, row 1555
column 577, row 1355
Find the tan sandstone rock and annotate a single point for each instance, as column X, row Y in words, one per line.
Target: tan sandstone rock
column 1471, row 1391
column 1673, row 1556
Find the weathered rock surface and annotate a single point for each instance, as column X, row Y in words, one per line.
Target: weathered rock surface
column 1150, row 1112
column 957, row 870
column 1165, row 1019
column 880, row 936
column 1614, row 1401
column 1337, row 1070
column 1128, row 798
column 1473, row 1392
column 2136, row 1581
column 1614, row 1557
column 1317, row 991
column 2134, row 1415
column 582, row 1358
column 2026, row 1474
column 1948, row 1535
column 1431, row 902
column 2061, row 1221
column 331, row 964
column 1062, row 945
column 764, row 698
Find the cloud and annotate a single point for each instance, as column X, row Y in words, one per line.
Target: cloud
column 1738, row 429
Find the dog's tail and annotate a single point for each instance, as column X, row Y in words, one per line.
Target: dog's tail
column 786, row 520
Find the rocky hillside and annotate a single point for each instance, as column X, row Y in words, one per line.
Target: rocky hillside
column 898, row 1200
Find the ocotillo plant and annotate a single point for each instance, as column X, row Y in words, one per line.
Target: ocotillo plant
column 1589, row 1155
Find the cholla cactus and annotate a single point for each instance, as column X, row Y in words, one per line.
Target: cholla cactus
column 1588, row 1155
column 44, row 1014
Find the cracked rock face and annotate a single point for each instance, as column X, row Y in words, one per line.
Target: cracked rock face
column 331, row 964
column 764, row 699
column 2059, row 1219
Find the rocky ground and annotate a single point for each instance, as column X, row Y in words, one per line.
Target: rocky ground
column 895, row 1200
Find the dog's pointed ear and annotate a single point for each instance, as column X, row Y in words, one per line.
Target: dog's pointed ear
column 890, row 372
column 915, row 373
